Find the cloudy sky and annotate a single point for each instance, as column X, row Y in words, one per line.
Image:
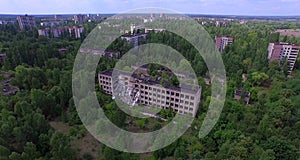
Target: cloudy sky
column 222, row 7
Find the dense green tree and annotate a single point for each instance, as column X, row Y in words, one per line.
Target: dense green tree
column 61, row 147
column 15, row 156
column 4, row 152
column 180, row 153
column 281, row 147
column 30, row 152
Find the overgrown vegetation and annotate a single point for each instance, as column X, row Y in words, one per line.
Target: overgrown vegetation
column 267, row 129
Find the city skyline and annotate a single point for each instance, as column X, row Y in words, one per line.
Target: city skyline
column 215, row 7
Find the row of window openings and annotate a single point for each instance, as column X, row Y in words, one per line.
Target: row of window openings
column 288, row 55
column 176, row 110
column 105, row 87
column 168, row 92
column 168, row 99
column 176, row 106
column 172, row 94
column 103, row 82
column 101, row 77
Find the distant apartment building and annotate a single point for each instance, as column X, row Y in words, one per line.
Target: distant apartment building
column 136, row 33
column 44, row 32
column 76, row 31
column 213, row 22
column 243, row 21
column 280, row 51
column 60, row 32
column 79, row 19
column 101, row 52
column 5, row 22
column 26, row 22
column 94, row 51
column 135, row 38
column 222, row 42
column 221, row 23
column 136, row 29
column 51, row 23
column 155, row 30
column 112, row 54
column 140, row 89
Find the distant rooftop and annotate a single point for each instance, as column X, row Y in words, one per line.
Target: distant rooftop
column 285, row 43
column 221, row 36
column 134, row 35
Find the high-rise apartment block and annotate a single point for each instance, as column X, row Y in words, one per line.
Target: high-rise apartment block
column 280, row 51
column 134, row 39
column 140, row 89
column 79, row 19
column 223, row 41
column 26, row 22
column 60, row 32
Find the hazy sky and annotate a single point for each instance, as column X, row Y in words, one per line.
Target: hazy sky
column 228, row 7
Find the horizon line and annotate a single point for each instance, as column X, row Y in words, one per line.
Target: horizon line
column 85, row 13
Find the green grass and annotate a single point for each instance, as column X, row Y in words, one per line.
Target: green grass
column 60, row 126
column 82, row 145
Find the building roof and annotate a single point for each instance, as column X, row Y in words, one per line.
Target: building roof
column 224, row 37
column 187, row 88
column 238, row 92
column 92, row 50
column 247, row 94
column 112, row 52
column 284, row 43
column 107, row 72
column 134, row 35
